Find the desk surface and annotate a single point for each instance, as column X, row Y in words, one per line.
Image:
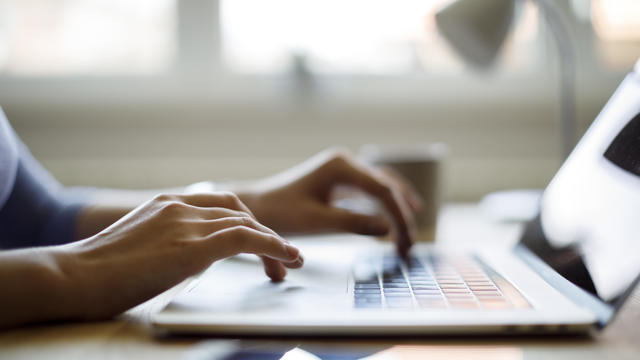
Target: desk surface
column 460, row 225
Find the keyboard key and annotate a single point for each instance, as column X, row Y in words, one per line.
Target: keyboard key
column 397, row 295
column 367, row 293
column 485, row 291
column 422, row 281
column 397, row 290
column 450, row 281
column 453, row 287
column 456, row 291
column 478, row 280
column 395, row 281
column 395, row 285
column 427, row 295
column 366, row 286
column 418, row 289
column 426, row 291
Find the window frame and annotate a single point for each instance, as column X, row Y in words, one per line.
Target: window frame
column 198, row 75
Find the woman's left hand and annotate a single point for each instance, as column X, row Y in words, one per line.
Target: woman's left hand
column 299, row 199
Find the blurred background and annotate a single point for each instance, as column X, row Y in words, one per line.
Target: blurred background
column 155, row 93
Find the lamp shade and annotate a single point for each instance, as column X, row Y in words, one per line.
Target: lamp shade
column 476, row 29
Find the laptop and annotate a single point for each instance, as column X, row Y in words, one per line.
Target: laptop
column 571, row 271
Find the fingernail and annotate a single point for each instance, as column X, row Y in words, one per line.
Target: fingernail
column 277, row 275
column 292, row 251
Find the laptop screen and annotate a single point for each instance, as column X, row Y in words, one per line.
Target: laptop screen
column 589, row 224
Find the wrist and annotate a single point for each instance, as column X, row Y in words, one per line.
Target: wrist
column 252, row 199
column 36, row 287
column 256, row 196
column 66, row 300
column 82, row 292
column 256, row 200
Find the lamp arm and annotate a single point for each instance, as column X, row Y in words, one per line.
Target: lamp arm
column 567, row 59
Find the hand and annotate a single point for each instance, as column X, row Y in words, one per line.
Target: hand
column 299, row 200
column 161, row 243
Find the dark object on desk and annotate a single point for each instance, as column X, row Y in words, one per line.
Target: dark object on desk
column 258, row 354
column 624, row 151
column 566, row 261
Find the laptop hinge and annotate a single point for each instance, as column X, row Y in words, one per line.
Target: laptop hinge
column 603, row 311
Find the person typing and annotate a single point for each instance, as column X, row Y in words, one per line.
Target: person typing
column 86, row 253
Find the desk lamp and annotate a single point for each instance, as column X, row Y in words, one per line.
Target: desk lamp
column 476, row 30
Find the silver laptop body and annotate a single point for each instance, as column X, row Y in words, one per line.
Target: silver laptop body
column 572, row 269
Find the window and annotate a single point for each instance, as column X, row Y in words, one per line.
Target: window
column 356, row 36
column 76, row 37
column 617, row 28
column 70, row 38
column 243, row 44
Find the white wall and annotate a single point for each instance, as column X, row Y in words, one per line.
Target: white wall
column 499, row 139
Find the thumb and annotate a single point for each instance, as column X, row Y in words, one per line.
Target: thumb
column 345, row 220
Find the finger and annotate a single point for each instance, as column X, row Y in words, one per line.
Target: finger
column 276, row 270
column 176, row 204
column 222, row 199
column 273, row 268
column 409, row 192
column 337, row 219
column 297, row 263
column 219, row 212
column 355, row 174
column 254, row 224
column 242, row 239
column 208, row 227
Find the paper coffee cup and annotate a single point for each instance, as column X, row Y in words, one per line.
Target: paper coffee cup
column 420, row 165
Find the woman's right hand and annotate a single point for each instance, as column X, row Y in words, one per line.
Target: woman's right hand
column 159, row 244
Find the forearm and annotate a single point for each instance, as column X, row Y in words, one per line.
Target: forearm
column 33, row 288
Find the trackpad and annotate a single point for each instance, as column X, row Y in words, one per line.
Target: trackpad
column 240, row 285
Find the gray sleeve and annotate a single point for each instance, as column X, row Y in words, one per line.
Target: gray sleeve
column 39, row 210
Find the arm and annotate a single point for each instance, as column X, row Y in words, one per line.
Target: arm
column 171, row 237
column 38, row 268
column 152, row 248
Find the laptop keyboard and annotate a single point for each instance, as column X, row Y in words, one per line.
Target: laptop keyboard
column 432, row 281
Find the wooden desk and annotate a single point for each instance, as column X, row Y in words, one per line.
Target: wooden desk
column 463, row 225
